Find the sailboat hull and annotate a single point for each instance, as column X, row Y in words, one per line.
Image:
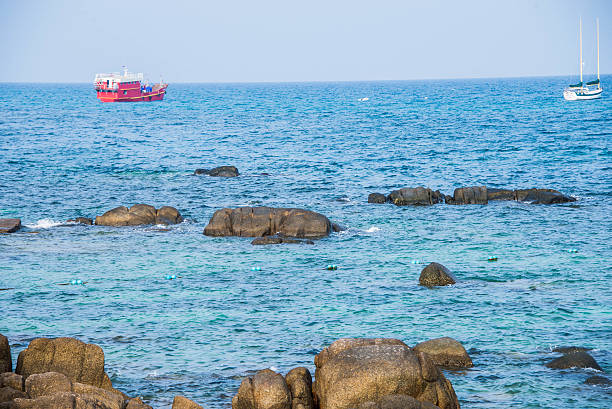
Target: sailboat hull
column 581, row 94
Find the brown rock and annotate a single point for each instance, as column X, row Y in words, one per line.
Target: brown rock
column 109, row 397
column 47, row 383
column 435, row 274
column 221, row 171
column 415, row 196
column 446, row 352
column 367, row 373
column 266, row 390
column 64, row 400
column 7, row 394
column 574, row 360
column 268, row 221
column 9, row 225
column 6, row 363
column 469, row 195
column 81, row 220
column 500, row 194
column 343, row 344
column 377, row 198
column 542, row 196
column 181, row 402
column 168, row 215
column 137, row 403
column 77, row 360
column 397, row 402
column 299, row 381
column 12, row 380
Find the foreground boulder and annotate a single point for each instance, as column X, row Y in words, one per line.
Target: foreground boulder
column 6, row 363
column 377, row 198
column 12, row 380
column 268, row 221
column 9, row 225
column 435, row 274
column 221, row 171
column 266, row 390
column 468, row 195
column 299, row 382
column 77, row 360
column 574, row 360
column 415, row 196
column 366, row 373
column 397, row 402
column 139, row 214
column 446, row 352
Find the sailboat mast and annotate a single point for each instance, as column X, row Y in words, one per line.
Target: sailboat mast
column 598, row 48
column 581, row 50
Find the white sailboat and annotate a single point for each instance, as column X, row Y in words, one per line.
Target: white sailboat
column 590, row 90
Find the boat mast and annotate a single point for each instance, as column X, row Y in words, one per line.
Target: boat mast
column 581, row 51
column 597, row 48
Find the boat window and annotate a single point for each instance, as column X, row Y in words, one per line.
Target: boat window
column 124, row 92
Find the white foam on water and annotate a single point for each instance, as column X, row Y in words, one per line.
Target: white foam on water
column 273, row 368
column 373, row 229
column 44, row 224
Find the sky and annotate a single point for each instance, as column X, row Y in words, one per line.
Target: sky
column 313, row 40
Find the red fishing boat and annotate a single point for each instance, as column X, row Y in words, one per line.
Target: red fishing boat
column 127, row 87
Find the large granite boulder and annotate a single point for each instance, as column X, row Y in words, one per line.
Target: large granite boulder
column 268, row 221
column 181, row 402
column 415, row 196
column 65, row 400
column 574, row 360
column 435, row 274
column 542, row 196
column 48, row 383
column 266, row 390
column 9, row 225
column 299, row 381
column 8, row 394
column 343, row 344
column 365, row 373
column 6, row 363
column 12, row 380
column 139, row 214
column 77, row 360
column 221, row 171
column 446, row 352
column 397, row 402
column 377, row 198
column 468, row 195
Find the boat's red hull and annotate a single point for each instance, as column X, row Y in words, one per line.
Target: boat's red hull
column 132, row 94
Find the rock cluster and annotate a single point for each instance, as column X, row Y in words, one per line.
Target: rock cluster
column 139, row 214
column 9, row 225
column 221, row 171
column 63, row 373
column 469, row 195
column 268, row 221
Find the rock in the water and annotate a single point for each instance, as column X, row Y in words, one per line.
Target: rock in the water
column 377, row 198
column 7, row 394
column 446, row 352
column 348, row 376
column 181, row 402
column 137, row 403
column 48, row 383
column 278, row 240
column 415, row 196
column 221, row 171
column 138, row 215
column 598, row 380
column 574, row 360
column 9, row 225
column 337, row 228
column 81, row 220
column 542, row 196
column 500, row 194
column 266, row 390
column 268, row 221
column 435, row 274
column 77, row 360
column 299, row 381
column 6, row 363
column 397, row 402
column 569, row 350
column 11, row 380
column 469, row 195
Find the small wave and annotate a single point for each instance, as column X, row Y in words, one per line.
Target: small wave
column 44, row 224
column 363, row 99
column 373, row 229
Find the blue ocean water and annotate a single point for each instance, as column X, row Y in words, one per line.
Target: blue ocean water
column 314, row 146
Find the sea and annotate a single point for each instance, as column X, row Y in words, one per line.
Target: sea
column 235, row 308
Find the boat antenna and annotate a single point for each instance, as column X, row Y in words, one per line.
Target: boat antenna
column 580, row 50
column 598, row 48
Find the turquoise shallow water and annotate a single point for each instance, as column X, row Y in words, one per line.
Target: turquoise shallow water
column 63, row 154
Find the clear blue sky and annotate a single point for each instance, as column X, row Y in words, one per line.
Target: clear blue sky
column 313, row 40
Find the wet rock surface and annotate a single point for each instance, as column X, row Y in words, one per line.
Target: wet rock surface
column 9, row 225
column 377, row 198
column 574, row 360
column 598, row 380
column 415, row 196
column 469, row 195
column 260, row 241
column 221, row 171
column 446, row 353
column 435, row 274
column 81, row 220
column 139, row 214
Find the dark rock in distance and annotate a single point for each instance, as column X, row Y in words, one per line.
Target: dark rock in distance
column 221, row 171
column 81, row 220
column 6, row 363
column 500, row 194
column 446, row 352
column 598, row 380
column 570, row 350
column 435, row 274
column 278, row 240
column 468, row 195
column 542, row 196
column 337, row 228
column 415, row 196
column 377, row 198
column 9, row 225
column 574, row 360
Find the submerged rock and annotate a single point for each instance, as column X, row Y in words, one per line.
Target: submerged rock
column 468, row 195
column 9, row 225
column 574, row 360
column 139, row 214
column 299, row 381
column 349, row 376
column 598, row 380
column 266, row 390
column 446, row 352
column 377, row 198
column 6, row 363
column 268, row 221
column 415, row 196
column 221, row 171
column 435, row 274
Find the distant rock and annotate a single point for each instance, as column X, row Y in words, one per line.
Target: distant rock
column 139, row 214
column 268, row 221
column 598, row 380
column 81, row 220
column 377, row 198
column 435, row 274
column 299, row 381
column 500, row 194
column 221, row 171
column 574, row 360
column 542, row 196
column 569, row 350
column 415, row 196
column 9, row 225
column 181, row 402
column 468, row 195
column 278, row 240
column 266, row 390
column 446, row 352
